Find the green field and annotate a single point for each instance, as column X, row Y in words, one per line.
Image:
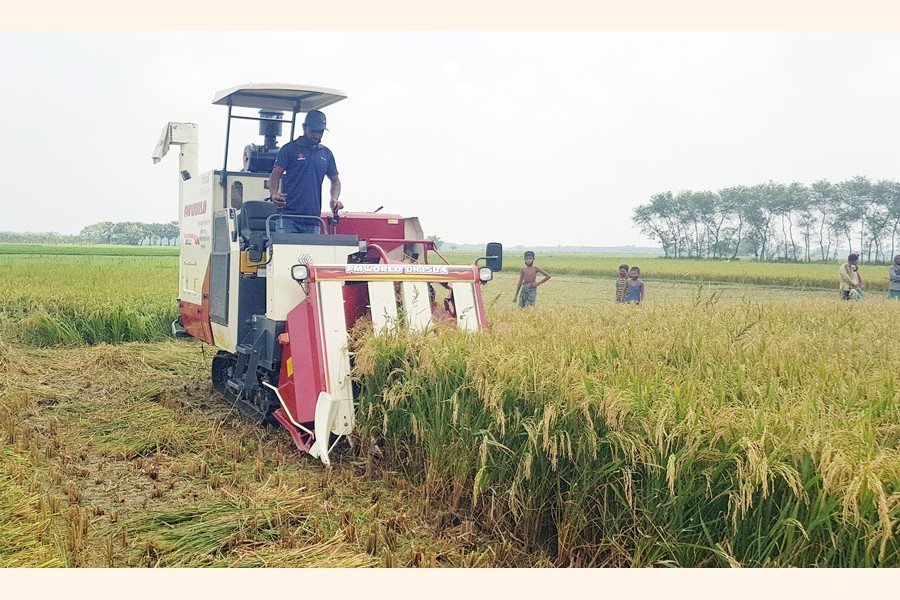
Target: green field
column 743, row 272
column 87, row 250
column 721, row 423
column 72, row 299
column 89, row 294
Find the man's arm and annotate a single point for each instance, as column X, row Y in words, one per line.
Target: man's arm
column 335, row 204
column 275, row 186
column 642, row 291
column 894, row 273
column 519, row 284
column 545, row 274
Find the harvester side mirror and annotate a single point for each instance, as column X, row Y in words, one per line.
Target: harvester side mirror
column 493, row 256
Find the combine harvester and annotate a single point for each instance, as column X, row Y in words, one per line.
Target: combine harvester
column 279, row 306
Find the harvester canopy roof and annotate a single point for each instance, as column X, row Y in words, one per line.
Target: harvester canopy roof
column 279, row 96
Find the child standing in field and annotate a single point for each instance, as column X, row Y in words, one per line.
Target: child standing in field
column 528, row 282
column 634, row 287
column 620, row 284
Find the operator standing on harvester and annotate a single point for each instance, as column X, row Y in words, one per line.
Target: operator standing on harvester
column 304, row 162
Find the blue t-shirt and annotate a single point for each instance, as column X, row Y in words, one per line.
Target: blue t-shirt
column 305, row 167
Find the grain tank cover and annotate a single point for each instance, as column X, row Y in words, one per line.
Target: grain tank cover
column 279, row 97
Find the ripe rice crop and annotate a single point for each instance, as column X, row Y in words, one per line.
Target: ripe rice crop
column 754, row 434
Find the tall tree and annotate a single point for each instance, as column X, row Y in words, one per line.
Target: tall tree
column 879, row 218
column 98, row 233
column 128, row 232
column 707, row 208
column 855, row 198
column 789, row 202
column 654, row 226
column 761, row 216
column 734, row 202
column 823, row 204
column 687, row 213
column 660, row 217
column 169, row 232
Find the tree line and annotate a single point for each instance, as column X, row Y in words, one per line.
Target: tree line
column 129, row 232
column 124, row 232
column 776, row 221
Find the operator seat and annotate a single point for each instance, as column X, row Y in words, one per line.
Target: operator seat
column 253, row 227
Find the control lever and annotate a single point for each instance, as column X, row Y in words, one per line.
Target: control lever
column 333, row 221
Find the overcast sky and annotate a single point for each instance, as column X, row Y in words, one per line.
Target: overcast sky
column 519, row 137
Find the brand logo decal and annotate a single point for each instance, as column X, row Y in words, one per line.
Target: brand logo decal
column 197, row 208
column 396, row 270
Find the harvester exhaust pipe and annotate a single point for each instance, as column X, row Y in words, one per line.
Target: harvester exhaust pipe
column 270, row 127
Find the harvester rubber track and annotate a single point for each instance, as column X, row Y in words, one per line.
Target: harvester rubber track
column 257, row 406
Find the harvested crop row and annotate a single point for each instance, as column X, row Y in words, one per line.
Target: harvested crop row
column 122, row 456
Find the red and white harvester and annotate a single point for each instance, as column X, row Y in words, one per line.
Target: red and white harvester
column 278, row 306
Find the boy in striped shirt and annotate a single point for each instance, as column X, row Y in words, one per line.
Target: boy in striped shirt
column 621, row 283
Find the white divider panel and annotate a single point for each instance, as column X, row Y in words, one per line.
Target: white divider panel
column 337, row 358
column 417, row 304
column 383, row 304
column 464, row 300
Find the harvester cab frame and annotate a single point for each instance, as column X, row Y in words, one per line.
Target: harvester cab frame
column 278, row 305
